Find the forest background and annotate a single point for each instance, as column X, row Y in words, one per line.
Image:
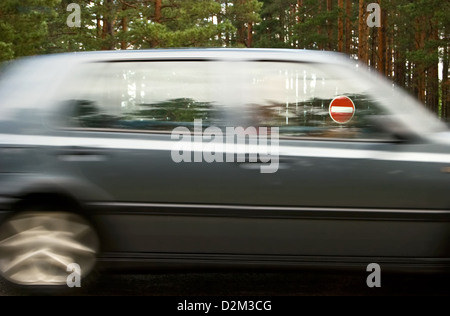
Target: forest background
column 410, row 46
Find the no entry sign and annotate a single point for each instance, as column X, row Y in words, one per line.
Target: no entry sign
column 342, row 110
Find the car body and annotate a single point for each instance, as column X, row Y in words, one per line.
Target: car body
column 92, row 134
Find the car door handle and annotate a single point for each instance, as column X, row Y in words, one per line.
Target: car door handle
column 82, row 155
column 281, row 164
column 259, row 166
column 249, row 165
column 249, row 162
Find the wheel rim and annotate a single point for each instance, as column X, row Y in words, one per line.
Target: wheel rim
column 36, row 248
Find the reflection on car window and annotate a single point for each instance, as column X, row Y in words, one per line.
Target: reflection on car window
column 3, row 67
column 297, row 99
column 141, row 96
column 161, row 96
column 311, row 118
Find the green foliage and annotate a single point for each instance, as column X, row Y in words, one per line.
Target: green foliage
column 24, row 26
column 316, row 21
column 271, row 32
column 6, row 51
column 32, row 27
column 177, row 110
column 184, row 23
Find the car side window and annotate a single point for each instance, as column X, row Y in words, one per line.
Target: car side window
column 324, row 118
column 314, row 101
column 302, row 99
column 140, row 96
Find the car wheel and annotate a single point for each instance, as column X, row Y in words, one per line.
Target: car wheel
column 37, row 248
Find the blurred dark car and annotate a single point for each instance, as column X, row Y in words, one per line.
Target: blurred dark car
column 92, row 172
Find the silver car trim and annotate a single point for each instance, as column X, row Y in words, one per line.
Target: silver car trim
column 161, row 145
column 263, row 208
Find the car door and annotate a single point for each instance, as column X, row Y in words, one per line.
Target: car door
column 124, row 115
column 118, row 126
column 346, row 186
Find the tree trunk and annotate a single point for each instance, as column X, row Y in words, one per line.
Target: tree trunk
column 124, row 43
column 381, row 53
column 432, row 84
column 250, row 35
column 241, row 35
column 389, row 53
column 446, row 84
column 399, row 69
column 158, row 9
column 319, row 27
column 348, row 28
column 242, row 30
column 283, row 25
column 419, row 73
column 409, row 76
column 373, row 48
column 99, row 27
column 157, row 19
column 298, row 20
column 330, row 26
column 432, row 88
column 104, row 28
column 341, row 26
column 227, row 34
column 108, row 26
column 362, row 33
column 219, row 21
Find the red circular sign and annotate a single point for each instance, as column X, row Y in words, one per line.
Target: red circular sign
column 342, row 110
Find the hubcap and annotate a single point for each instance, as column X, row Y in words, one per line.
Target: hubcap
column 36, row 248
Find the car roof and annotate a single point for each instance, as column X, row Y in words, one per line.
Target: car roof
column 293, row 55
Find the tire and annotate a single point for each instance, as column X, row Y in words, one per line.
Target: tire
column 39, row 250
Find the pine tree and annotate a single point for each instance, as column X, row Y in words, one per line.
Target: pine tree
column 272, row 31
column 244, row 14
column 23, row 27
column 314, row 17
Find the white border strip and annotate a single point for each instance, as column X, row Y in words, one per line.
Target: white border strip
column 136, row 144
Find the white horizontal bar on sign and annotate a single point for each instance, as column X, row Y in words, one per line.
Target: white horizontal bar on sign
column 341, row 109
